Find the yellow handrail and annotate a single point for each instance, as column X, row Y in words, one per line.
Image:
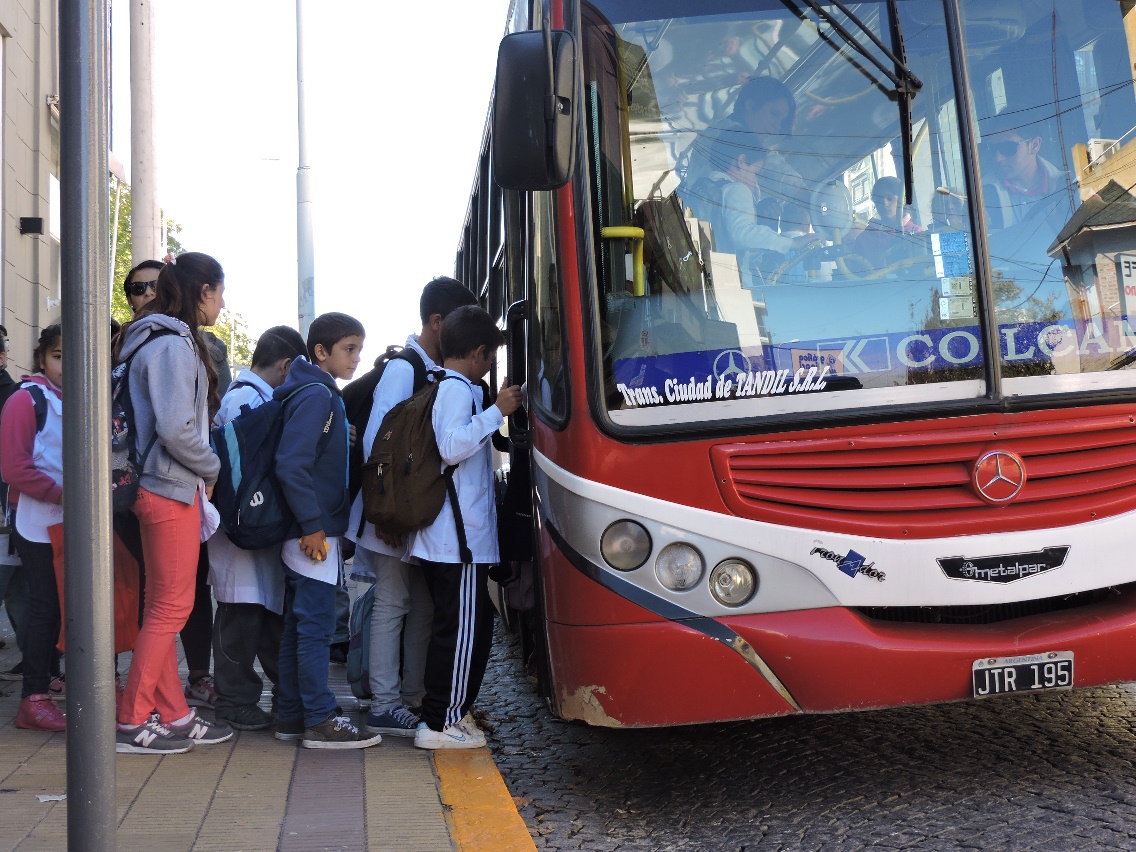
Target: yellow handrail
column 630, row 232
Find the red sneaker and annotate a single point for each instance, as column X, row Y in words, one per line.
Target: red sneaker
column 39, row 713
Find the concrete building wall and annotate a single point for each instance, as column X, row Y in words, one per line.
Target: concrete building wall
column 30, row 295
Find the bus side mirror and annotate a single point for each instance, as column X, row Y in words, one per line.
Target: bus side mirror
column 534, row 117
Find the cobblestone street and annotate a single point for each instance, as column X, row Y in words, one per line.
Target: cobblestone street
column 1039, row 772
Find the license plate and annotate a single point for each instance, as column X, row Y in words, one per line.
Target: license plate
column 1028, row 673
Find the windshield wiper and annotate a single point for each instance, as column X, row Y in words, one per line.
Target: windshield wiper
column 901, row 77
column 1122, row 361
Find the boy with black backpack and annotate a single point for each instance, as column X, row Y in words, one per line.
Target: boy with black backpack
column 456, row 550
column 400, row 620
column 311, row 467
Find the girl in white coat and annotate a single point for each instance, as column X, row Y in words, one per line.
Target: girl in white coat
column 31, row 462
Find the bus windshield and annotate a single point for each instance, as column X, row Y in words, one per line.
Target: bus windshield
column 761, row 251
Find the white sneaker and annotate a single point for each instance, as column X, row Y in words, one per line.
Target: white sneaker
column 468, row 725
column 454, row 736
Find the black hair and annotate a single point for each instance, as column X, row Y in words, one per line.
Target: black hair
column 280, row 341
column 759, row 91
column 328, row 329
column 443, row 295
column 887, row 185
column 178, row 295
column 146, row 264
column 467, row 328
column 48, row 338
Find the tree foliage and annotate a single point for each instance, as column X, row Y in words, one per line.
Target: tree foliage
column 233, row 331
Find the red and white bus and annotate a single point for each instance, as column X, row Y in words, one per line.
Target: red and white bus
column 823, row 313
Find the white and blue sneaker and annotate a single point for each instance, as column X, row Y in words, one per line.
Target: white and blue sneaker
column 470, row 727
column 452, row 736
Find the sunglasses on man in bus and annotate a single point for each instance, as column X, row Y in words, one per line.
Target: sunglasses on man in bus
column 1006, row 148
column 139, row 288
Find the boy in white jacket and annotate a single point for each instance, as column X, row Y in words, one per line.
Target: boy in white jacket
column 463, row 618
column 249, row 584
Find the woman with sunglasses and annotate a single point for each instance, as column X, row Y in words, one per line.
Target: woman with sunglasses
column 140, row 286
column 140, row 283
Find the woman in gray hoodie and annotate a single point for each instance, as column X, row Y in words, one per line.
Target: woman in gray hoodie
column 173, row 390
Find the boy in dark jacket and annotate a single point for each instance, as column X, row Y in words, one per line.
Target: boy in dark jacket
column 311, row 466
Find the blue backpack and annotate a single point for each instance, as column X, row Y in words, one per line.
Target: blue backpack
column 359, row 645
column 248, row 497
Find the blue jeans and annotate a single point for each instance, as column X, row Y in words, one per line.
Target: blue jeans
column 305, row 649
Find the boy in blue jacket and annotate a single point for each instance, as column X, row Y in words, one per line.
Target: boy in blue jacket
column 311, row 466
column 456, row 565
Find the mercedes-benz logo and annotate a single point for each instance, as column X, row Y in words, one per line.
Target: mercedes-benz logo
column 998, row 476
column 731, row 362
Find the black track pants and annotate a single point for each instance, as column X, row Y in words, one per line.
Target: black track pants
column 460, row 640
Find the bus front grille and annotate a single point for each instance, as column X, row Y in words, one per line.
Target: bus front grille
column 913, row 480
column 987, row 613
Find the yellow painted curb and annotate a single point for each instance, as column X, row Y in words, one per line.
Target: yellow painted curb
column 479, row 809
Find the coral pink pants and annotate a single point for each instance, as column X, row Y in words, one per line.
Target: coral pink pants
column 171, row 541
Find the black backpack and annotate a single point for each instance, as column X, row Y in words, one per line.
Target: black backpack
column 359, row 399
column 126, row 464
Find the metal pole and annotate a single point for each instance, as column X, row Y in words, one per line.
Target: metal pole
column 84, row 203
column 305, row 240
column 145, row 214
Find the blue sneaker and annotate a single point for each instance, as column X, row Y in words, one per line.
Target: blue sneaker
column 398, row 722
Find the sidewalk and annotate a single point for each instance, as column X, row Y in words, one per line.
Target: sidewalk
column 256, row 793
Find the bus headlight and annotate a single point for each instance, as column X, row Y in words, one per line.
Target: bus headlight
column 679, row 566
column 625, row 545
column 733, row 582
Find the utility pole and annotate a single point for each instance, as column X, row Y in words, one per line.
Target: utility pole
column 88, row 568
column 145, row 213
column 305, row 240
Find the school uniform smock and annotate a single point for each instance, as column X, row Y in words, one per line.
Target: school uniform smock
column 31, row 461
column 236, row 575
column 463, row 431
column 744, row 228
column 396, row 385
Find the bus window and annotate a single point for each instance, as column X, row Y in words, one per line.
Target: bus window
column 548, row 385
column 1054, row 97
column 781, row 266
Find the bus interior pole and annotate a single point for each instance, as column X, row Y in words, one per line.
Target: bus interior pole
column 85, row 249
column 305, row 239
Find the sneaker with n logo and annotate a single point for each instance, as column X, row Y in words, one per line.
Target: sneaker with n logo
column 151, row 737
column 202, row 731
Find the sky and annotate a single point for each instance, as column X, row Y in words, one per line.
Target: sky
column 396, row 108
